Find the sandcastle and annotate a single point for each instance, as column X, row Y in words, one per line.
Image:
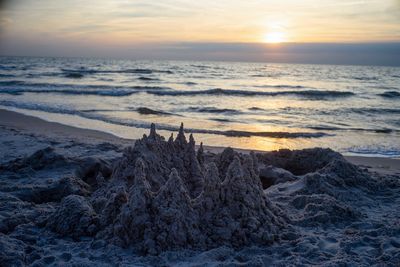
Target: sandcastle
column 163, row 195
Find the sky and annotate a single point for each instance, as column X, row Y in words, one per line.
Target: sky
column 307, row 31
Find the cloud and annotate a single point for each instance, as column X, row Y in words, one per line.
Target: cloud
column 318, row 53
column 197, row 26
column 4, row 23
column 3, row 3
column 387, row 54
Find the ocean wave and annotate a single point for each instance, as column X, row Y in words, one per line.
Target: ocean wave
column 220, row 120
column 74, row 75
column 382, row 87
column 266, row 75
column 190, row 83
column 201, row 66
column 4, row 67
column 21, row 87
column 134, row 71
column 366, row 78
column 287, row 135
column 148, row 111
column 214, row 110
column 256, row 109
column 390, row 94
column 140, row 124
column 115, row 93
column 33, row 85
column 12, row 82
column 100, row 110
column 312, row 94
column 38, row 107
column 142, row 78
column 11, row 92
column 332, row 112
column 283, row 86
column 258, row 75
column 382, row 151
column 106, row 79
column 6, row 75
column 80, row 73
column 374, row 110
column 353, row 129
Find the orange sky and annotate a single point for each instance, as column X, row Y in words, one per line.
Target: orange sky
column 314, row 31
column 127, row 21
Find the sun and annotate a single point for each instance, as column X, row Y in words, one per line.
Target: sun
column 274, row 37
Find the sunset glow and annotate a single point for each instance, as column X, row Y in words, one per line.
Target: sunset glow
column 274, row 37
column 172, row 20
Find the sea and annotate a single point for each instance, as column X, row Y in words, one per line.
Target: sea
column 259, row 106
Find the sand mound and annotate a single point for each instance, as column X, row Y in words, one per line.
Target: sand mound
column 299, row 162
column 44, row 158
column 75, row 217
column 53, row 191
column 325, row 188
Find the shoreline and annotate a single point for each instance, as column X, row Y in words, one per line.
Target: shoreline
column 38, row 127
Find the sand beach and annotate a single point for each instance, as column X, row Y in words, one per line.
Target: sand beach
column 74, row 196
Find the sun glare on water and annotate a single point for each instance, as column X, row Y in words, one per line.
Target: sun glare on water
column 274, row 37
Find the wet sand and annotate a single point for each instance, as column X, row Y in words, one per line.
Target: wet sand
column 36, row 126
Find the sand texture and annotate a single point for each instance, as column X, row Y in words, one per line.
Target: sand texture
column 81, row 198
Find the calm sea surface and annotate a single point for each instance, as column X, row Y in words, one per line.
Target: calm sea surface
column 353, row 109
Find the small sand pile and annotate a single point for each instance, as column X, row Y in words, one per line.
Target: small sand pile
column 324, row 189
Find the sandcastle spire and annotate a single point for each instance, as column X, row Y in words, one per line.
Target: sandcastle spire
column 234, row 171
column 212, row 180
column 171, row 139
column 139, row 168
column 174, row 187
column 153, row 133
column 181, row 138
column 181, row 129
column 191, row 141
column 200, row 154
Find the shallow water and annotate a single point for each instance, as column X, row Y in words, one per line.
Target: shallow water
column 353, row 109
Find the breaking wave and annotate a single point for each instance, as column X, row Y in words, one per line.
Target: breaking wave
column 390, row 94
column 283, row 86
column 218, row 91
column 148, row 111
column 375, row 110
column 374, row 151
column 214, row 110
column 143, row 78
column 84, row 71
column 20, row 87
column 353, row 129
